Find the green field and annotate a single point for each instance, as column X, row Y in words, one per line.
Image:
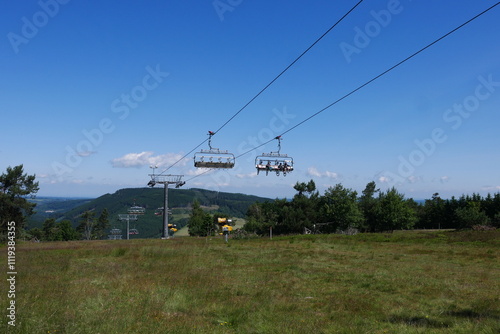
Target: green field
column 404, row 282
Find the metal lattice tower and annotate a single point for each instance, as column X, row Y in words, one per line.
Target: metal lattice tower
column 166, row 180
column 127, row 218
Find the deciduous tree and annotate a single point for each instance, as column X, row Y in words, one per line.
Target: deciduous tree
column 471, row 215
column 393, row 212
column 200, row 222
column 87, row 226
column 340, row 208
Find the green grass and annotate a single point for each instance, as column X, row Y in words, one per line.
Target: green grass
column 433, row 282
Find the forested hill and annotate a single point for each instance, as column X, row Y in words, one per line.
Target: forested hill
column 152, row 198
column 179, row 200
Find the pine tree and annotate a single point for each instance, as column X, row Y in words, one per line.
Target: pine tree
column 367, row 204
column 15, row 187
column 102, row 224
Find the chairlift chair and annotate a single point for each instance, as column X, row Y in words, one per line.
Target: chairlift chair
column 278, row 163
column 159, row 212
column 274, row 162
column 136, row 210
column 213, row 157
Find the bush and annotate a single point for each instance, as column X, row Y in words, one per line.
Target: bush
column 239, row 234
column 483, row 228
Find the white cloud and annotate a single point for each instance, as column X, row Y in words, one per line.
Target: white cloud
column 414, row 179
column 384, row 179
column 209, row 185
column 198, row 171
column 444, row 179
column 198, row 184
column 246, row 176
column 331, row 175
column 137, row 160
column 491, row 188
column 85, row 153
column 313, row 171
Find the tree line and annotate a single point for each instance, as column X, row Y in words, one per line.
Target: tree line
column 89, row 227
column 340, row 209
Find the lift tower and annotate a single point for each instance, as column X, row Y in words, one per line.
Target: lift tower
column 127, row 218
column 166, row 180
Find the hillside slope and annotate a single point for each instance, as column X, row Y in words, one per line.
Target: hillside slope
column 150, row 225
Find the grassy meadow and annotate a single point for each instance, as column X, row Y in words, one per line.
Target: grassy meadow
column 404, row 282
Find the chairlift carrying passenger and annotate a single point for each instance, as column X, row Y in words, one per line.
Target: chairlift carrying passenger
column 213, row 157
column 274, row 162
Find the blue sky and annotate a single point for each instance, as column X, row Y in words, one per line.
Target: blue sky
column 92, row 94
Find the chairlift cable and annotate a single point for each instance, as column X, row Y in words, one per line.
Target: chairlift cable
column 270, row 83
column 290, row 65
column 391, row 68
column 375, row 78
column 205, row 172
column 184, row 156
column 369, row 81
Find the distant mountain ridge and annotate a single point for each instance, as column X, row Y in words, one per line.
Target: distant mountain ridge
column 52, row 207
column 149, row 224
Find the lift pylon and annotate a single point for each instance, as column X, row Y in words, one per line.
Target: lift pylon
column 166, row 180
